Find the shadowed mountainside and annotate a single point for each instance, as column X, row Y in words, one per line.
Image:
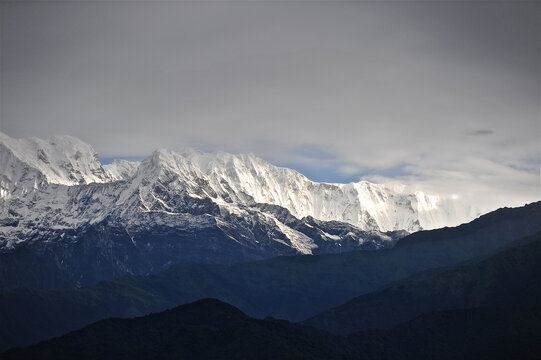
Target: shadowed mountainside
column 212, row 329
column 511, row 278
column 292, row 288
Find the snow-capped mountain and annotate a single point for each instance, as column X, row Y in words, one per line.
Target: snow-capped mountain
column 58, row 160
column 212, row 207
column 121, row 169
column 246, row 179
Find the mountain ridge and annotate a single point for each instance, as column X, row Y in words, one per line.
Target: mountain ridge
column 289, row 287
column 62, row 211
column 246, row 179
column 508, row 278
column 209, row 328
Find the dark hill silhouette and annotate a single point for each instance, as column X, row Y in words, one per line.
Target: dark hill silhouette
column 511, row 278
column 292, row 288
column 210, row 329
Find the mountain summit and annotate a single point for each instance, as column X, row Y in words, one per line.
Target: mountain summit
column 190, row 206
column 227, row 178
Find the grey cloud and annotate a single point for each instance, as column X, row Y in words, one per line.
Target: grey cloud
column 480, row 132
column 339, row 88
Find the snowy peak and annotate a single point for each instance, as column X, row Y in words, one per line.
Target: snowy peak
column 58, row 160
column 247, row 180
column 168, row 181
column 121, row 169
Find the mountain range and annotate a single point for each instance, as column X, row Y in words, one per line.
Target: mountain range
column 210, row 329
column 68, row 221
column 197, row 255
column 291, row 287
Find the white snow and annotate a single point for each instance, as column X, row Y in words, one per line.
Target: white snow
column 332, row 237
column 299, row 241
column 59, row 183
column 245, row 179
column 121, row 169
column 27, row 164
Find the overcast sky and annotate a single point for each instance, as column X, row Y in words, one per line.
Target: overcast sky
column 441, row 95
